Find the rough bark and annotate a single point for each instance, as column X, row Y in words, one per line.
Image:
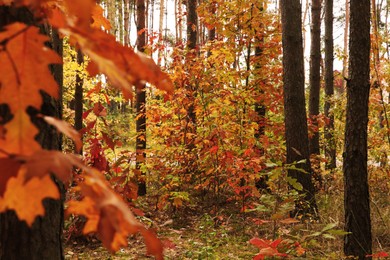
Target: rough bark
column 296, row 134
column 315, row 65
column 141, row 102
column 345, row 49
column 78, row 95
column 330, row 145
column 356, row 190
column 192, row 36
column 126, row 22
column 43, row 240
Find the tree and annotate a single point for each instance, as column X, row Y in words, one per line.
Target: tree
column 296, row 134
column 141, row 100
column 315, row 79
column 78, row 95
column 356, row 191
column 330, row 146
column 43, row 239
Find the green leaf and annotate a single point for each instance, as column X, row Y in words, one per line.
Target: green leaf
column 294, row 183
column 328, row 227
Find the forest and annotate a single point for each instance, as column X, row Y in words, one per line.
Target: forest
column 194, row 129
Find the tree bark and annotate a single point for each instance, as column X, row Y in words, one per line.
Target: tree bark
column 44, row 239
column 141, row 102
column 78, row 95
column 330, row 144
column 315, row 65
column 356, row 190
column 297, row 142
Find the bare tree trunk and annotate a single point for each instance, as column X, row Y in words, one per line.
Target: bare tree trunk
column 141, row 102
column 297, row 141
column 78, row 95
column 126, row 33
column 330, row 144
column 356, row 191
column 345, row 50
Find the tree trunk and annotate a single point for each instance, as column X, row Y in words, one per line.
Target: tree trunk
column 192, row 36
column 43, row 240
column 330, row 144
column 297, row 142
column 126, row 22
column 345, row 50
column 315, row 65
column 356, row 191
column 141, row 102
column 78, row 95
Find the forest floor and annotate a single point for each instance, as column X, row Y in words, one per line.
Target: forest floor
column 196, row 233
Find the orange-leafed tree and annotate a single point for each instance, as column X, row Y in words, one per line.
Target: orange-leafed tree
column 26, row 164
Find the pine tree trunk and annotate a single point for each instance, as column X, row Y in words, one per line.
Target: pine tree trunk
column 297, row 141
column 345, row 50
column 44, row 239
column 315, row 65
column 356, row 190
column 141, row 102
column 78, row 95
column 330, row 144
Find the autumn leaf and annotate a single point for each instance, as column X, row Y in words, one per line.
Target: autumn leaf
column 25, row 196
column 20, row 135
column 24, row 61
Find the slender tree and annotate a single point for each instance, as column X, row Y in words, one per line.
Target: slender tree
column 78, row 95
column 330, row 146
column 315, row 79
column 192, row 37
column 297, row 141
column 345, row 49
column 43, row 239
column 356, row 191
column 141, row 100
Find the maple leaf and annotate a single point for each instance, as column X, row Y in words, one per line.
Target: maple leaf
column 25, row 196
column 379, row 254
column 24, row 61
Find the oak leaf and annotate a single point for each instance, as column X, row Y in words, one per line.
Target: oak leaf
column 25, row 196
column 24, row 61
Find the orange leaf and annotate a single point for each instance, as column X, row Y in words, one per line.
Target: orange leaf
column 66, row 129
column 20, row 135
column 24, row 67
column 25, row 197
column 99, row 20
